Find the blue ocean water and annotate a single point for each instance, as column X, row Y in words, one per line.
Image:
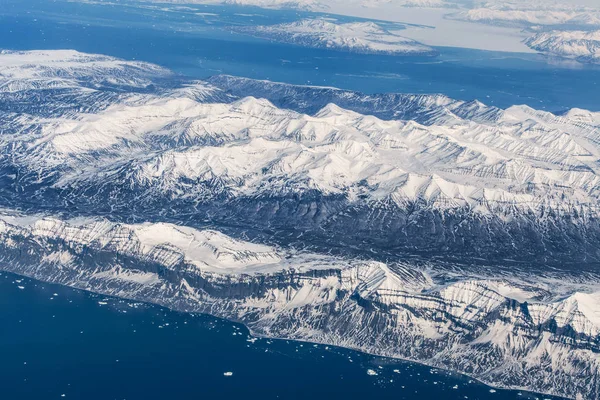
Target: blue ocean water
column 59, row 341
column 195, row 40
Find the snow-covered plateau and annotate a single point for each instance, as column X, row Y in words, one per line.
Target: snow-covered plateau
column 584, row 46
column 414, row 226
column 357, row 37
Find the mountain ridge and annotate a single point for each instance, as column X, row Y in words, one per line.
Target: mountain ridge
column 432, row 316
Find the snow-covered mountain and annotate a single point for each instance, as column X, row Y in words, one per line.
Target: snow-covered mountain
column 312, row 213
column 521, row 329
column 422, row 108
column 583, row 46
column 356, row 37
column 66, row 82
column 395, row 3
column 308, row 5
column 530, row 13
column 252, row 148
column 496, row 16
column 504, row 183
column 66, row 69
column 301, row 5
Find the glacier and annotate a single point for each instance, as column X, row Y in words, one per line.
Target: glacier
column 451, row 233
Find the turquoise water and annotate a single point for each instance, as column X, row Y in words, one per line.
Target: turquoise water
column 58, row 341
column 201, row 45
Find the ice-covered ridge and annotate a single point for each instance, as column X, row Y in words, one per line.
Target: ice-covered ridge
column 359, row 37
column 51, row 83
column 306, row 5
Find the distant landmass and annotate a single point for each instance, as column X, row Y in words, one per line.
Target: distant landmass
column 583, row 46
column 356, row 37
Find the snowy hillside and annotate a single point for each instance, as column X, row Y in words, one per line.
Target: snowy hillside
column 357, row 37
column 581, row 45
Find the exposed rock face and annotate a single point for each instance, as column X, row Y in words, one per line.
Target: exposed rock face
column 451, row 233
